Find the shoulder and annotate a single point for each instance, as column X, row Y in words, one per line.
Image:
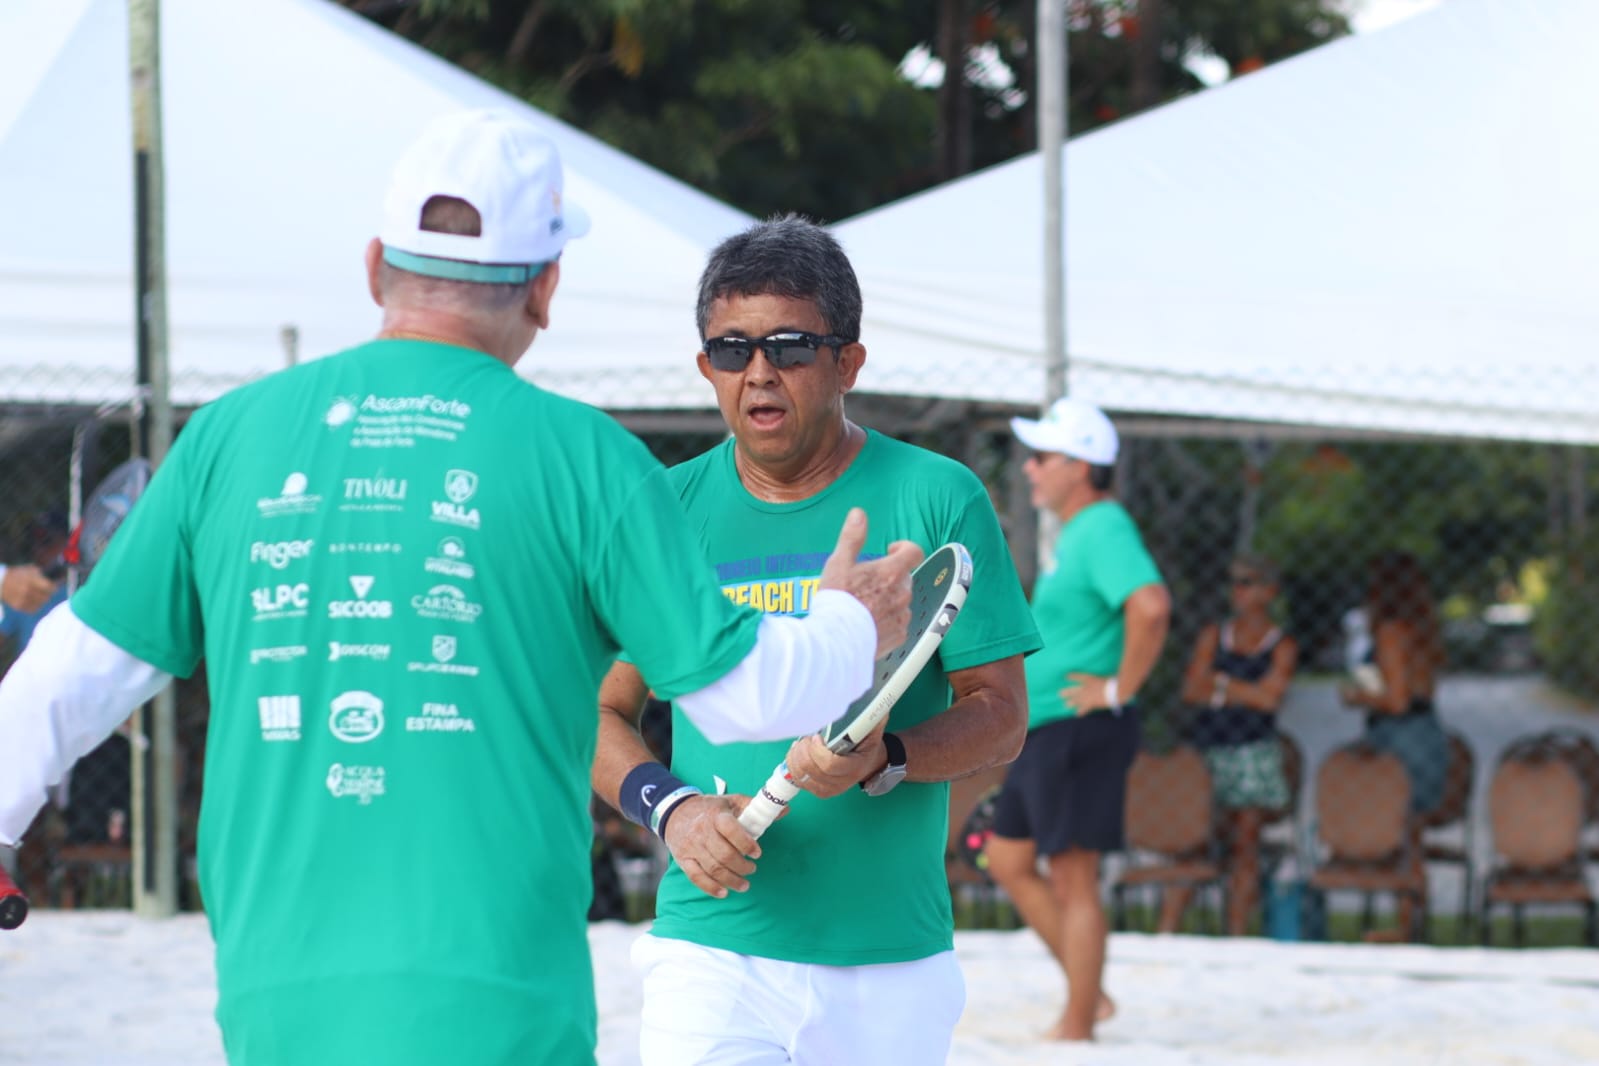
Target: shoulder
column 888, row 454
column 692, row 474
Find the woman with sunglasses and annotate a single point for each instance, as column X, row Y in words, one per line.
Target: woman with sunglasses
column 1238, row 674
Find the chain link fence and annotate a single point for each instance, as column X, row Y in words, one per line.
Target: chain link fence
column 1485, row 819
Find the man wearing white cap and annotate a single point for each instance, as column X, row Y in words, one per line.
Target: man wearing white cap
column 1103, row 613
column 407, row 569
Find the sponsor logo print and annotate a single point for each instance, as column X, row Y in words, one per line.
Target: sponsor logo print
column 280, row 717
column 349, row 547
column 396, row 421
column 282, row 654
column 440, row 718
column 292, row 500
column 280, row 601
column 444, row 647
column 451, row 560
column 337, row 651
column 361, row 607
column 362, row 782
column 357, row 717
column 459, row 486
column 278, row 554
column 447, row 603
column 373, row 494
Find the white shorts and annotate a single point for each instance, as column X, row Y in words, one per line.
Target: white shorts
column 707, row 1007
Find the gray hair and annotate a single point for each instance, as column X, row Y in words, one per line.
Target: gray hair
column 787, row 255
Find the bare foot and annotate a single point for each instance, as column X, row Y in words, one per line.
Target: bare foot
column 1061, row 1030
column 1106, row 1010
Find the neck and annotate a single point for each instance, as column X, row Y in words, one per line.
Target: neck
column 804, row 477
column 444, row 327
column 1080, row 497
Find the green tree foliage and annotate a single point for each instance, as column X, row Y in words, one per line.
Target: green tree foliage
column 777, row 105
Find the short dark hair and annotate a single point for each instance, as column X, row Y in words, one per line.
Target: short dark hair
column 787, row 255
column 1101, row 478
column 450, row 214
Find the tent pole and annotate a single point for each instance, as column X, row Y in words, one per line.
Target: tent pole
column 154, row 787
column 1053, row 102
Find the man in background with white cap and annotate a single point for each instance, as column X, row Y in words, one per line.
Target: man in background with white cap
column 394, row 839
column 1103, row 613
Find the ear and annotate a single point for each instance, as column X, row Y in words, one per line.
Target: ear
column 374, row 270
column 541, row 292
column 703, row 361
column 851, row 358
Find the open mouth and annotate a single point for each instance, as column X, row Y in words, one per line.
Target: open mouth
column 764, row 416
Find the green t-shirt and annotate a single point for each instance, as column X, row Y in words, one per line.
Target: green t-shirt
column 853, row 879
column 1100, row 560
column 407, row 570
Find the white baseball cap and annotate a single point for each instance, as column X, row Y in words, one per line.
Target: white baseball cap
column 1072, row 427
column 503, row 167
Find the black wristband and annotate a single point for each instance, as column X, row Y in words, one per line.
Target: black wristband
column 645, row 786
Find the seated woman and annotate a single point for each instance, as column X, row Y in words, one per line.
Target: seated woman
column 1408, row 651
column 1239, row 672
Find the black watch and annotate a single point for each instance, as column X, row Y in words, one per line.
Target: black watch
column 892, row 774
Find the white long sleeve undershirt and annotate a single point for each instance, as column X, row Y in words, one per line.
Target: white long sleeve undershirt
column 72, row 687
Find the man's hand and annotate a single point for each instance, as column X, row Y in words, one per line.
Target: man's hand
column 1085, row 693
column 825, row 774
column 26, row 589
column 883, row 585
column 705, row 838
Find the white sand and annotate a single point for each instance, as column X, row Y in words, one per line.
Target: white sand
column 108, row 989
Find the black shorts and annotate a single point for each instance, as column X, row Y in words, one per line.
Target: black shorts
column 1068, row 788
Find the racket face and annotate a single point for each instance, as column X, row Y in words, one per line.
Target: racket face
column 938, row 588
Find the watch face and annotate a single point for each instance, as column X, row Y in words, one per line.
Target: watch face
column 885, row 780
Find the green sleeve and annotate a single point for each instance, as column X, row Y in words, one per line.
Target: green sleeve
column 995, row 622
column 656, row 594
column 141, row 595
column 1121, row 563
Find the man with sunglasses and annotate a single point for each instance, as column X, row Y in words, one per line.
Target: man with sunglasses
column 394, row 841
column 839, row 948
column 1104, row 612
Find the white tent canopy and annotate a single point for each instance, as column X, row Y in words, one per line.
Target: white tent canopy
column 282, row 121
column 1396, row 232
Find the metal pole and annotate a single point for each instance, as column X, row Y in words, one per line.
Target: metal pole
column 1052, row 108
column 1053, row 100
column 154, row 801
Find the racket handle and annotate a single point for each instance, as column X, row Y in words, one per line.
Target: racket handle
column 13, row 904
column 769, row 802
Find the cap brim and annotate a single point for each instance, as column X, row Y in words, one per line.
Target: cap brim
column 1032, row 434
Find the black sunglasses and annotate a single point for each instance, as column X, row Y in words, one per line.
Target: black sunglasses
column 783, row 350
column 1248, row 582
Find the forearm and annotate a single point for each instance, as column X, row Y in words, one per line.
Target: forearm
column 61, row 698
column 802, row 674
column 620, row 749
column 977, row 732
column 1140, row 650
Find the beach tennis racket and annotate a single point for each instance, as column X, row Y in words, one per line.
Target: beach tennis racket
column 938, row 588
column 13, row 904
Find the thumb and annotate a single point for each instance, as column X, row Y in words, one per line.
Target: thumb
column 851, row 539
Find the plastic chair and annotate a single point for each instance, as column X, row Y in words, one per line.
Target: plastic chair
column 1168, row 819
column 1535, row 808
column 1362, row 804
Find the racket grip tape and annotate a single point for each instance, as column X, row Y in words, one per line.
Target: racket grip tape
column 13, row 904
column 771, row 801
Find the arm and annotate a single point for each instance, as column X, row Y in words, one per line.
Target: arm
column 1392, row 641
column 1199, row 679
column 701, row 832
column 1147, row 616
column 1265, row 695
column 66, row 693
column 25, row 588
column 985, row 726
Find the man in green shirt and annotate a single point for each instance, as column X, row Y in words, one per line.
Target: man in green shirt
column 408, row 569
column 1103, row 612
column 839, row 949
